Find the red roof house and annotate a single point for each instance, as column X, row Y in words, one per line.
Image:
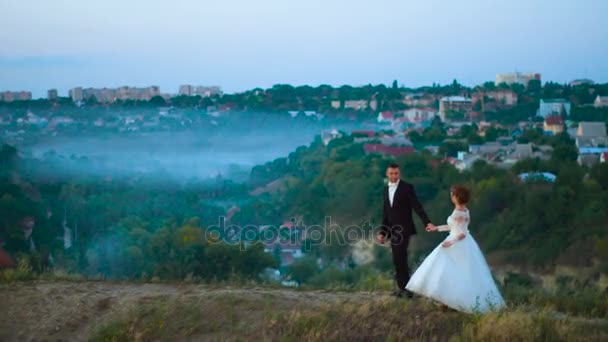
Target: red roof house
column 392, row 150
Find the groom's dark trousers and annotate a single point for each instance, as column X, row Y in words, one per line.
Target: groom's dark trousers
column 398, row 226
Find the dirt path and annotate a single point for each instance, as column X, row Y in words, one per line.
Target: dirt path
column 70, row 311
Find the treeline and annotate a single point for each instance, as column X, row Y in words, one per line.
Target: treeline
column 286, row 97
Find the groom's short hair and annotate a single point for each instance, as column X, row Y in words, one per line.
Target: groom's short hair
column 393, row 166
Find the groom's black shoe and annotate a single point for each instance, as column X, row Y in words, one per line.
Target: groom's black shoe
column 403, row 294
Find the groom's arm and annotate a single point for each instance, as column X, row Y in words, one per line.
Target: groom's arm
column 384, row 227
column 415, row 204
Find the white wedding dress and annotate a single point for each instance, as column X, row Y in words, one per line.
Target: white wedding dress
column 457, row 276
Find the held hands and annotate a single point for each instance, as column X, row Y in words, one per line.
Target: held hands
column 381, row 238
column 431, row 227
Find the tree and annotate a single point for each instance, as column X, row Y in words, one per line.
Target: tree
column 303, row 269
column 564, row 153
column 157, row 101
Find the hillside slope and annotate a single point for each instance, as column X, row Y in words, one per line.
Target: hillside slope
column 74, row 311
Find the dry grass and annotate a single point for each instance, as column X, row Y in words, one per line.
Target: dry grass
column 127, row 311
column 241, row 318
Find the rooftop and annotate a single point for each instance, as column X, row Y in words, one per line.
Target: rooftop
column 591, row 129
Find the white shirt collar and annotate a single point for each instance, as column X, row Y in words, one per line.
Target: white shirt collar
column 391, row 184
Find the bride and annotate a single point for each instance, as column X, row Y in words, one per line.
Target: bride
column 456, row 273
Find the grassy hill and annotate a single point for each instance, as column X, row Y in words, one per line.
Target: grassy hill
column 117, row 311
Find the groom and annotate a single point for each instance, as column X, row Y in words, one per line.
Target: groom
column 398, row 224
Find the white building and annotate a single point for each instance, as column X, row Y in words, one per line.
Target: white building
column 328, row 136
column 459, row 104
column 202, row 91
column 553, row 107
column 76, row 94
column 600, row 101
column 517, row 78
column 420, row 114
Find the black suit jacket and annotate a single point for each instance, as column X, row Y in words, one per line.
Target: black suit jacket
column 399, row 218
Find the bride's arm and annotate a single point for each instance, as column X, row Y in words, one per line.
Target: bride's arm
column 443, row 228
column 459, row 225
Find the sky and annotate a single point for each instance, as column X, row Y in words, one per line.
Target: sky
column 243, row 44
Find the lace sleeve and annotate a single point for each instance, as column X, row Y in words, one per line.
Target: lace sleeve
column 443, row 228
column 459, row 224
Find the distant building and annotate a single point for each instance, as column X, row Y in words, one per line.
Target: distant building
column 554, row 124
column 10, row 96
column 554, row 107
column 358, row 104
column 336, row 104
column 581, row 81
column 420, row 114
column 600, row 101
column 420, row 100
column 502, row 98
column 390, row 150
column 522, row 151
column 328, row 136
column 455, row 104
column 591, row 134
column 108, row 95
column 185, row 89
column 588, row 159
column 386, row 116
column 604, row 157
column 52, row 94
column 368, row 133
column 76, row 94
column 202, row 91
column 517, row 78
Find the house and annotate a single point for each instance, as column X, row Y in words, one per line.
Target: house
column 287, row 251
column 502, row 98
column 360, row 104
column 395, row 140
column 489, row 148
column 59, row 121
column 522, row 151
column 386, row 117
column 604, row 157
column 554, row 124
column 328, row 136
column 600, row 101
column 455, row 107
column 554, row 107
column 517, row 78
column 588, row 159
column 367, row 133
column 465, row 161
column 420, row 114
column 287, row 244
column 390, row 150
column 591, row 134
column 419, row 100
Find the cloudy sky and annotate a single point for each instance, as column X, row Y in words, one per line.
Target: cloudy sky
column 241, row 44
